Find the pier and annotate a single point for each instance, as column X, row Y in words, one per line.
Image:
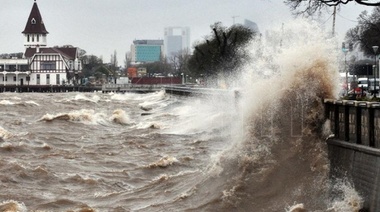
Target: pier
column 136, row 88
column 48, row 88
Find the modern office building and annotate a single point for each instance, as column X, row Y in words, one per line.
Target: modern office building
column 251, row 25
column 176, row 39
column 146, row 51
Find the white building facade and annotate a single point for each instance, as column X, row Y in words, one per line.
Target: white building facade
column 40, row 65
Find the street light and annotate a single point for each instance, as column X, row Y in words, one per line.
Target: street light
column 367, row 77
column 345, row 67
column 375, row 48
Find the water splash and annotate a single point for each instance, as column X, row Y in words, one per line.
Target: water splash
column 278, row 153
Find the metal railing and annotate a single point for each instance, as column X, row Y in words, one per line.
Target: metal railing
column 355, row 121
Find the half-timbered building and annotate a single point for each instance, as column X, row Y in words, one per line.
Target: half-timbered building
column 40, row 65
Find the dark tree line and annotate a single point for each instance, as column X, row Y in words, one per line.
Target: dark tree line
column 310, row 7
column 222, row 52
column 367, row 33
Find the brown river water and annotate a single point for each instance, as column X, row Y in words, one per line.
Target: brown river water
column 262, row 150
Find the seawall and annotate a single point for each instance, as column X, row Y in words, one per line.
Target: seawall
column 354, row 151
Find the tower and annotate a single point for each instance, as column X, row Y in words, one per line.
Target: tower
column 35, row 32
column 176, row 39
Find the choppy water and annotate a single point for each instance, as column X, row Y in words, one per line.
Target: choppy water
column 264, row 151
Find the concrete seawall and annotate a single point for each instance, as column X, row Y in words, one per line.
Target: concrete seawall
column 354, row 151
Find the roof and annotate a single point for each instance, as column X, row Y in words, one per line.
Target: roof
column 35, row 23
column 68, row 52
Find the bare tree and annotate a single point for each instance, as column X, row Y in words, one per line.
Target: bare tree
column 127, row 60
column 179, row 61
column 310, row 7
column 114, row 59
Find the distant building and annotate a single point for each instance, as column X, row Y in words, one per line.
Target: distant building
column 145, row 51
column 251, row 25
column 176, row 39
column 40, row 65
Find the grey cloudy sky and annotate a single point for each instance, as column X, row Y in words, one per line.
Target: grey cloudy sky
column 101, row 27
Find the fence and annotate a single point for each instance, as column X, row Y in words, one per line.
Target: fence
column 355, row 121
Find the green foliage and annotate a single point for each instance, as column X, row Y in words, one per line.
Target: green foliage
column 367, row 33
column 222, row 52
column 90, row 64
column 102, row 70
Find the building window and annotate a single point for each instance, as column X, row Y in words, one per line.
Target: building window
column 38, row 38
column 47, row 79
column 57, row 79
column 33, row 21
column 14, row 79
column 28, row 37
column 38, row 79
column 47, row 65
column 32, row 38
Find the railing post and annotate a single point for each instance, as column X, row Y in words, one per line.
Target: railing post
column 346, row 121
column 376, row 125
column 336, row 120
column 358, row 119
column 371, row 124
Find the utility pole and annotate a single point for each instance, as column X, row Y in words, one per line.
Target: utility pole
column 333, row 27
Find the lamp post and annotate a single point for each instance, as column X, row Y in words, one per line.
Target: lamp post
column 345, row 68
column 375, row 48
column 367, row 77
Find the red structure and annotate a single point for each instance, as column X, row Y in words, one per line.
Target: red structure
column 132, row 72
column 156, row 80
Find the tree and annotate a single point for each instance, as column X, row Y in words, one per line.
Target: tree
column 310, row 7
column 222, row 52
column 127, row 60
column 367, row 33
column 90, row 64
column 114, row 63
column 179, row 62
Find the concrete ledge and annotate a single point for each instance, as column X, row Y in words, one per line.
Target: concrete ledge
column 359, row 164
column 355, row 147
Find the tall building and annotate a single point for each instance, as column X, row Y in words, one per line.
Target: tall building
column 251, row 25
column 145, row 51
column 175, row 40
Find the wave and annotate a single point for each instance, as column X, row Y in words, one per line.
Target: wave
column 164, row 162
column 119, row 116
column 11, row 103
column 12, row 206
column 82, row 116
column 79, row 98
column 278, row 154
column 5, row 134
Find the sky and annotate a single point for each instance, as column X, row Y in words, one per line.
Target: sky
column 103, row 27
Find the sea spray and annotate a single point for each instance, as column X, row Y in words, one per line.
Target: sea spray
column 279, row 154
